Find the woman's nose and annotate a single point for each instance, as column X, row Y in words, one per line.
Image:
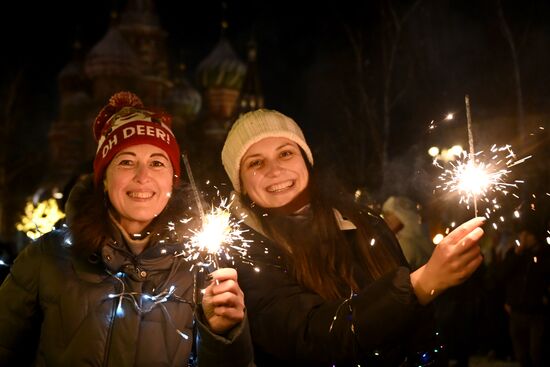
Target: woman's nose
column 273, row 168
column 142, row 173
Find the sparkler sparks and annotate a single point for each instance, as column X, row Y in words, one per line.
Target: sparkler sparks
column 220, row 235
column 475, row 178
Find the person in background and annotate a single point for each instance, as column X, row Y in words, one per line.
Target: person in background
column 109, row 289
column 404, row 220
column 329, row 283
column 525, row 276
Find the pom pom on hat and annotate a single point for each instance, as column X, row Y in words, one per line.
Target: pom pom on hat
column 124, row 122
column 252, row 127
column 116, row 103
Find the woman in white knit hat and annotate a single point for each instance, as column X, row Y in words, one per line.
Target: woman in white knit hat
column 333, row 286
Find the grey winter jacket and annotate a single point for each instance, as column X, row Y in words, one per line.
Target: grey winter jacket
column 109, row 308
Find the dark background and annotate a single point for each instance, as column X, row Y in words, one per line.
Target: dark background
column 310, row 70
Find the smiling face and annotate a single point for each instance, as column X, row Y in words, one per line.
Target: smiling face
column 274, row 173
column 139, row 182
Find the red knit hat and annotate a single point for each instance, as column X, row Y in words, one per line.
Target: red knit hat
column 125, row 122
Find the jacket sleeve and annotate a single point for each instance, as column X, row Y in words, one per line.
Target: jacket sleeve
column 19, row 309
column 231, row 350
column 293, row 323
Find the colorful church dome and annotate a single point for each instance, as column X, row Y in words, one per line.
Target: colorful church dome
column 222, row 68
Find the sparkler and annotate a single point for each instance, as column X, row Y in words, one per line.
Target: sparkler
column 473, row 179
column 472, row 169
column 219, row 234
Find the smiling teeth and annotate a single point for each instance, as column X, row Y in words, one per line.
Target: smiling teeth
column 140, row 195
column 280, row 186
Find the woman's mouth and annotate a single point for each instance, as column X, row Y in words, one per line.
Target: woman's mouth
column 140, row 194
column 280, row 186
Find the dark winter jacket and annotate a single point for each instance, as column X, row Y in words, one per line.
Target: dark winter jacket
column 62, row 307
column 381, row 325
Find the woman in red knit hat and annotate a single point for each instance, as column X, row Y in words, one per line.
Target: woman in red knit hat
column 109, row 288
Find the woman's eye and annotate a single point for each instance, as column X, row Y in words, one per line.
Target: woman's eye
column 255, row 163
column 125, row 162
column 286, row 153
column 158, row 164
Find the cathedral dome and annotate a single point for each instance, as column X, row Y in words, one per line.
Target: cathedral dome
column 222, row 68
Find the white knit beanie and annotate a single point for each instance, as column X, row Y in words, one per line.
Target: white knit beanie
column 252, row 127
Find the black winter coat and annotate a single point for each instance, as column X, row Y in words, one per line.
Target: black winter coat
column 381, row 325
column 111, row 308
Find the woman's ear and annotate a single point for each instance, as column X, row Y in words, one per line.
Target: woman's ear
column 105, row 184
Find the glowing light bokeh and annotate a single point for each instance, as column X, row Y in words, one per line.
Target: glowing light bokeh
column 39, row 218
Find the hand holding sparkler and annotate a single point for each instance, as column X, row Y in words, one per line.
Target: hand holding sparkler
column 223, row 301
column 453, row 260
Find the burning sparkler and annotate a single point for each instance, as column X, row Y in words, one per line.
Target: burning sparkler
column 219, row 235
column 474, row 176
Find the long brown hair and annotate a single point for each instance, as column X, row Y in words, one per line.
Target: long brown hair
column 325, row 259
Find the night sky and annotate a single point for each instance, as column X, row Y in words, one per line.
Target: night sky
column 308, row 66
